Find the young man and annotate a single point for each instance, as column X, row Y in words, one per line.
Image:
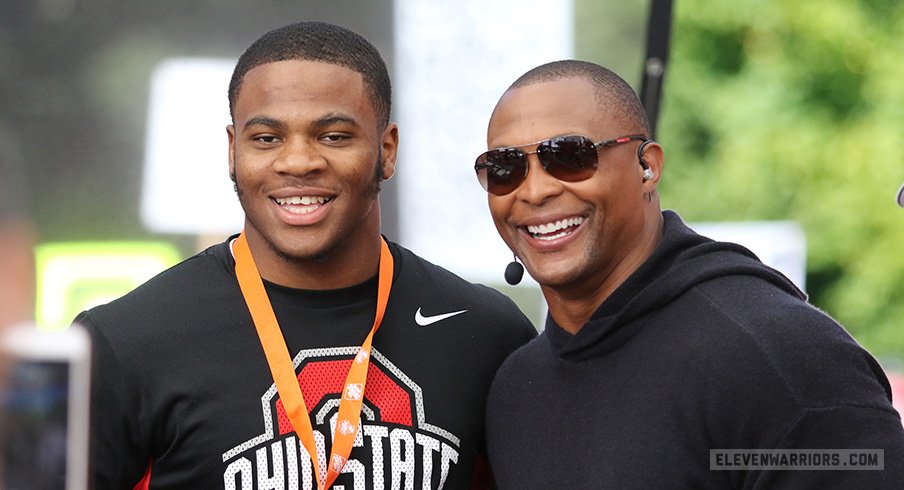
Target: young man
column 661, row 347
column 307, row 351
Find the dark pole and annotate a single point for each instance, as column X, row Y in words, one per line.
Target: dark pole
column 659, row 26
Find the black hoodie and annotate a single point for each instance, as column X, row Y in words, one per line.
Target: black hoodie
column 702, row 348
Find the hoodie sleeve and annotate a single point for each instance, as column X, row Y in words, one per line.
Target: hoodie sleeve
column 863, row 433
column 807, row 386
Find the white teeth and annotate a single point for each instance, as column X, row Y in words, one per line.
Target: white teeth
column 303, row 200
column 550, row 237
column 310, row 203
column 545, row 229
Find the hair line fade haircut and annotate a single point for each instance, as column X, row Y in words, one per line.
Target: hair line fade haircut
column 610, row 88
column 322, row 42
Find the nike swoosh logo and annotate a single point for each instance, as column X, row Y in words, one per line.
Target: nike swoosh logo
column 429, row 320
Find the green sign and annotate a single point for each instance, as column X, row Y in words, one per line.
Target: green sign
column 72, row 277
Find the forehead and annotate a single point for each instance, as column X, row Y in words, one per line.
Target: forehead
column 302, row 88
column 542, row 110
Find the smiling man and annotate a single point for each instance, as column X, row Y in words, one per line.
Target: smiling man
column 665, row 354
column 307, row 351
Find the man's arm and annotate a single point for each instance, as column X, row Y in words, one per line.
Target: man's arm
column 119, row 456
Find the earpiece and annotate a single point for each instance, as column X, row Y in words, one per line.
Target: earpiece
column 647, row 173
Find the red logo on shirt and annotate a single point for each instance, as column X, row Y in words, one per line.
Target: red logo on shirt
column 395, row 445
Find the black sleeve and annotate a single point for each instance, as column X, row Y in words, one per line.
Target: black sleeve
column 119, row 457
column 842, row 401
column 872, row 430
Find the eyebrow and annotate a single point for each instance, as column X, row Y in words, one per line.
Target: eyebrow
column 321, row 123
column 332, row 119
column 265, row 121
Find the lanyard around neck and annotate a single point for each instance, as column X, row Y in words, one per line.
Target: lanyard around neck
column 283, row 371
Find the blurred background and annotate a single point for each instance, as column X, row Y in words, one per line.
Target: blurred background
column 777, row 112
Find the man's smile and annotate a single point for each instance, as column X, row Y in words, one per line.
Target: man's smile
column 555, row 229
column 302, row 204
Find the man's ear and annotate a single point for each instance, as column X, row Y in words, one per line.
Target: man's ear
column 651, row 159
column 389, row 144
column 230, row 133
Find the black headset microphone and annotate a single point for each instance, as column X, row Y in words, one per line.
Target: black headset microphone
column 514, row 271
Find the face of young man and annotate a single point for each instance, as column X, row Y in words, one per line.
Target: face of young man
column 571, row 236
column 307, row 155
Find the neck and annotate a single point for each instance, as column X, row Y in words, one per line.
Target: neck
column 572, row 311
column 345, row 263
column 328, row 272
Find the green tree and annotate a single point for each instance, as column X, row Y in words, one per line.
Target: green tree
column 778, row 110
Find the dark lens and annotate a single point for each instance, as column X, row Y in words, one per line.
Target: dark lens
column 501, row 171
column 569, row 158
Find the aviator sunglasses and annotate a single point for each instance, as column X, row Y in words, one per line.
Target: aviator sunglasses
column 568, row 158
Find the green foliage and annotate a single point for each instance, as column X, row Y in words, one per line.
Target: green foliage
column 794, row 110
column 612, row 33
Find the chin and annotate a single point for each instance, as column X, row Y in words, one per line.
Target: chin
column 302, row 250
column 550, row 276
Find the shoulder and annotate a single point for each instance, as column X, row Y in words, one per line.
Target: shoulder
column 421, row 278
column 527, row 363
column 415, row 268
column 751, row 326
column 771, row 318
column 173, row 291
column 422, row 286
column 201, row 271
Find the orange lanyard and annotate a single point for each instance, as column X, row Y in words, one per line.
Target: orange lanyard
column 283, row 370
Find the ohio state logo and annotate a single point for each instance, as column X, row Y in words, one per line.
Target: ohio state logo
column 395, row 447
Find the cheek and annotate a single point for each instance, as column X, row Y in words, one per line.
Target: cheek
column 495, row 207
column 250, row 165
column 499, row 210
column 359, row 168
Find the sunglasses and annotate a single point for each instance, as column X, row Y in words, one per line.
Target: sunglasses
column 569, row 158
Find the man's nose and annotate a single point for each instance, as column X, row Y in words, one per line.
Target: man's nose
column 538, row 185
column 300, row 156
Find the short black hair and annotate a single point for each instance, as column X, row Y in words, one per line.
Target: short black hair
column 611, row 89
column 319, row 41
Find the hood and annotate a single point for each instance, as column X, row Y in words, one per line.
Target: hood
column 682, row 260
